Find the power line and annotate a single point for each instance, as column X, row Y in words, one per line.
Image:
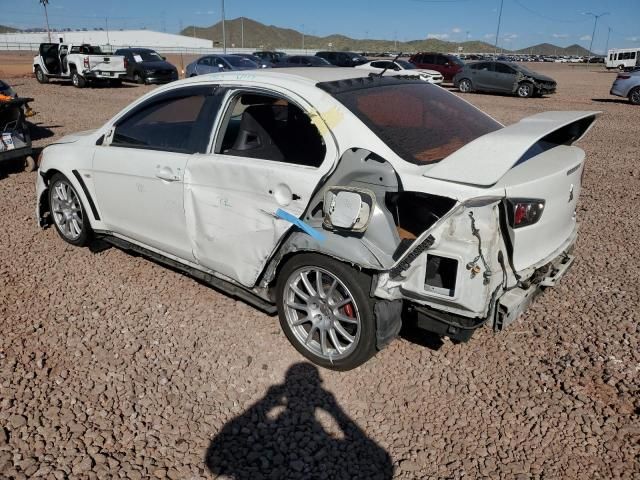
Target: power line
column 541, row 15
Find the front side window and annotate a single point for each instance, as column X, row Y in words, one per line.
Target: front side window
column 502, row 68
column 422, row 123
column 268, row 127
column 176, row 124
column 205, row 61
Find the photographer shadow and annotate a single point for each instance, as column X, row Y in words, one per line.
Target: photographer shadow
column 280, row 437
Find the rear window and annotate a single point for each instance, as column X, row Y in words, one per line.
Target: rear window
column 422, row 123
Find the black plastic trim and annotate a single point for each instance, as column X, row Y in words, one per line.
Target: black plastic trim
column 92, row 205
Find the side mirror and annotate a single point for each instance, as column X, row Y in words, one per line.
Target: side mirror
column 164, row 58
column 348, row 209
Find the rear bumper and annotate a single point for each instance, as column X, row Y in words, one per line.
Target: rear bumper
column 100, row 75
column 618, row 90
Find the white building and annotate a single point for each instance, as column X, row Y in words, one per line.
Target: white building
column 117, row 38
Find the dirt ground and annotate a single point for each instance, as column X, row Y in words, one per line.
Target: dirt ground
column 113, row 366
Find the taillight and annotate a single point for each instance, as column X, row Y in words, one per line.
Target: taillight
column 623, row 76
column 86, row 62
column 126, row 63
column 525, row 212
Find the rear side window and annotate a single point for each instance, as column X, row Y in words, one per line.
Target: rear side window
column 502, row 68
column 422, row 123
column 176, row 124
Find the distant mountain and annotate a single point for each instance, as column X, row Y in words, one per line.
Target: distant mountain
column 260, row 36
column 5, row 29
column 550, row 49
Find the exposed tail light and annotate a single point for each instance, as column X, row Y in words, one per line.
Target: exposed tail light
column 86, row 62
column 126, row 62
column 624, row 76
column 525, row 212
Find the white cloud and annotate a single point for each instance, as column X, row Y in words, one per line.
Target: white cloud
column 456, row 30
column 489, row 35
column 438, row 36
column 633, row 39
column 585, row 37
column 560, row 35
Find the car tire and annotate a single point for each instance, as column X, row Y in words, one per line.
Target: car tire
column 340, row 311
column 525, row 90
column 634, row 96
column 465, row 85
column 30, row 164
column 40, row 76
column 78, row 80
column 138, row 79
column 67, row 212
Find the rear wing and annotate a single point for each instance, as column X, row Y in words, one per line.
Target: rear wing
column 486, row 159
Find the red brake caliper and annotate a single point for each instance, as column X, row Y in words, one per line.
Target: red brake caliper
column 348, row 309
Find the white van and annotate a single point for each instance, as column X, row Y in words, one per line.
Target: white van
column 623, row 58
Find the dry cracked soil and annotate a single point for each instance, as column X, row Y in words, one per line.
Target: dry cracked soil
column 112, row 366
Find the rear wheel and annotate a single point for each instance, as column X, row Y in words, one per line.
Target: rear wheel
column 40, row 76
column 326, row 312
column 464, row 85
column 78, row 80
column 138, row 79
column 69, row 216
column 634, row 96
column 525, row 90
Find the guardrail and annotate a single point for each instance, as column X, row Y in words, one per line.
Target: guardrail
column 168, row 50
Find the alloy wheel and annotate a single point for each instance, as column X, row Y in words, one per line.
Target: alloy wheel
column 322, row 313
column 66, row 210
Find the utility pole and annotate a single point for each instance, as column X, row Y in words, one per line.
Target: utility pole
column 595, row 23
column 606, row 49
column 498, row 30
column 303, row 36
column 242, row 31
column 224, row 33
column 46, row 16
column 106, row 23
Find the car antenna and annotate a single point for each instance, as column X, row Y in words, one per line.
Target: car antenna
column 387, row 67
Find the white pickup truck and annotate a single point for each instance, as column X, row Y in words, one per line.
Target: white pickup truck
column 80, row 63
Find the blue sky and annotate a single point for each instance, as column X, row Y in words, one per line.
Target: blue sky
column 524, row 22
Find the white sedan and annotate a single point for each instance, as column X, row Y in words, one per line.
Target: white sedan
column 347, row 203
column 404, row 67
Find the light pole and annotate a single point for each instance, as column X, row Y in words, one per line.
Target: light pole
column 242, row 31
column 595, row 23
column 606, row 48
column 498, row 30
column 224, row 33
column 46, row 16
column 303, row 36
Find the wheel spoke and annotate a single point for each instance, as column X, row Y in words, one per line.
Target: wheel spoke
column 319, row 285
column 312, row 330
column 297, row 306
column 332, row 288
column 300, row 321
column 300, row 293
column 334, row 340
column 344, row 302
column 323, row 340
column 345, row 319
column 346, row 335
column 307, row 284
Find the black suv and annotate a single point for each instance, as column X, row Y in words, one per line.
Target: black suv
column 343, row 59
column 147, row 66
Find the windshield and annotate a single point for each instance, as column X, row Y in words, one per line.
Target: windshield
column 457, row 61
column 406, row 65
column 422, row 123
column 147, row 56
column 240, row 62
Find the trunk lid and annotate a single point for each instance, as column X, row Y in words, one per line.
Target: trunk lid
column 487, row 159
column 106, row 63
column 553, row 178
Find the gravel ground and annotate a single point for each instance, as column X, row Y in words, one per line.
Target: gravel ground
column 113, row 366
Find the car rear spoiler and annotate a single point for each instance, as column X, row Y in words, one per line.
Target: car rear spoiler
column 485, row 160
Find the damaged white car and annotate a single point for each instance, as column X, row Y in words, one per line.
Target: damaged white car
column 343, row 203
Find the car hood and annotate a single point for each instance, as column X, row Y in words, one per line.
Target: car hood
column 425, row 71
column 74, row 137
column 485, row 160
column 157, row 65
column 539, row 77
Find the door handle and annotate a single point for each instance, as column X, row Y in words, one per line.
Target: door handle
column 165, row 173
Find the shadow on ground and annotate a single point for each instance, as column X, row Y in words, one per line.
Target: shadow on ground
column 611, row 100
column 281, row 437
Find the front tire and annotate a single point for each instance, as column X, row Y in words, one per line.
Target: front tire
column 525, row 90
column 326, row 312
column 68, row 214
column 78, row 80
column 40, row 76
column 138, row 79
column 465, row 85
column 634, row 96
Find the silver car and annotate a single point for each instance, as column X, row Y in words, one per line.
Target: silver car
column 219, row 63
column 627, row 84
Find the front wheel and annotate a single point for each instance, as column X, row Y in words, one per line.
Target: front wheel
column 464, row 85
column 634, row 96
column 69, row 216
column 78, row 80
column 138, row 79
column 326, row 312
column 525, row 90
column 40, row 76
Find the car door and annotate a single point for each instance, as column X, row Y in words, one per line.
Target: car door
column 504, row 78
column 138, row 171
column 258, row 166
column 481, row 75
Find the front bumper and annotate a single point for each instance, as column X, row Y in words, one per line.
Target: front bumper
column 158, row 79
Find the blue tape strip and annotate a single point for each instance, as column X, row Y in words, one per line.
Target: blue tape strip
column 300, row 224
